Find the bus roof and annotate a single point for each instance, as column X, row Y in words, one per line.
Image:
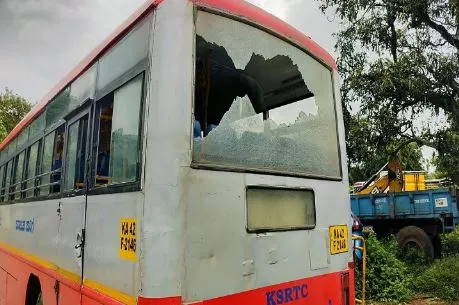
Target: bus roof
column 239, row 8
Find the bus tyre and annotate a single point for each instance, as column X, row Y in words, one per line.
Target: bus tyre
column 34, row 295
column 412, row 237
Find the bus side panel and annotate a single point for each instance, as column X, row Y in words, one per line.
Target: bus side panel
column 223, row 258
column 28, row 245
column 104, row 264
column 18, row 271
column 168, row 150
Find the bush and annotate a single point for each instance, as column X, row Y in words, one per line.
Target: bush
column 440, row 280
column 388, row 278
column 450, row 243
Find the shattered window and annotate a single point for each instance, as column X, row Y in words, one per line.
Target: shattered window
column 261, row 103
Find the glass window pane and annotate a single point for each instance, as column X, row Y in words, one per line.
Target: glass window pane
column 124, row 146
column 2, row 180
column 76, row 152
column 23, row 137
column 261, row 103
column 58, row 107
column 9, row 169
column 273, row 210
column 37, row 127
column 125, row 55
column 12, row 147
column 47, row 162
column 18, row 174
column 105, row 114
column 83, row 88
column 72, row 142
column 32, row 168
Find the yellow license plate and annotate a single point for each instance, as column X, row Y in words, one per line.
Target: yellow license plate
column 339, row 239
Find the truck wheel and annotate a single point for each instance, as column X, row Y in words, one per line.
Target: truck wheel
column 412, row 239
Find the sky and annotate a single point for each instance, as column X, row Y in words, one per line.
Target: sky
column 42, row 40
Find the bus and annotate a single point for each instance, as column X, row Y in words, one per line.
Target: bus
column 196, row 156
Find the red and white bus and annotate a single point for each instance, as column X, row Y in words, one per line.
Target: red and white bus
column 196, row 156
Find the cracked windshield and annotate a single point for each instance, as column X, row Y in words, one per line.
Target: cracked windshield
column 261, row 103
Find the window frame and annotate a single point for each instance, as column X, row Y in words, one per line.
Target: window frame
column 21, row 177
column 35, row 177
column 2, row 181
column 273, row 230
column 9, row 154
column 133, row 186
column 228, row 168
column 79, row 114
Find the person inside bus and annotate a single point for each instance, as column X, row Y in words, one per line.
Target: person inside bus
column 57, row 160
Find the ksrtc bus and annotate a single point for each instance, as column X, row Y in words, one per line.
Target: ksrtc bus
column 197, row 156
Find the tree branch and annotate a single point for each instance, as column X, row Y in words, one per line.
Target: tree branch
column 441, row 30
column 418, row 140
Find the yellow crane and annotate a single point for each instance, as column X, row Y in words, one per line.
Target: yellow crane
column 395, row 180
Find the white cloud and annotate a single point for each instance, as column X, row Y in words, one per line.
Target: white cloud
column 42, row 40
column 276, row 7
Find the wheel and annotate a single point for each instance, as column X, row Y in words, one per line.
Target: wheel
column 415, row 244
column 34, row 295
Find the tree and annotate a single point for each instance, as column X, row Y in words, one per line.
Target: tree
column 12, row 109
column 364, row 161
column 399, row 61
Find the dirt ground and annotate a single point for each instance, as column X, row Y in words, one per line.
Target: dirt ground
column 420, row 301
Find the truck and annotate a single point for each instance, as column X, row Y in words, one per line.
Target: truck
column 392, row 204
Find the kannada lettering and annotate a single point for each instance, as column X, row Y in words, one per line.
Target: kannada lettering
column 27, row 226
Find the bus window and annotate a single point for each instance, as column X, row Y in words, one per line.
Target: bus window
column 2, row 179
column 32, row 169
column 76, row 154
column 119, row 135
column 52, row 162
column 262, row 103
column 17, row 182
column 105, row 129
column 9, row 169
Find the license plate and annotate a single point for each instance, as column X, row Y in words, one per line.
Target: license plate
column 339, row 239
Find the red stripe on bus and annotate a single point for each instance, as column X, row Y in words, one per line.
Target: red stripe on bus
column 160, row 301
column 323, row 289
column 48, row 271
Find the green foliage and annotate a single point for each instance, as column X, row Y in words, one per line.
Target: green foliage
column 440, row 280
column 387, row 277
column 364, row 162
column 12, row 109
column 450, row 243
column 398, row 62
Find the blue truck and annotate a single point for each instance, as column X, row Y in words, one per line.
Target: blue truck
column 416, row 217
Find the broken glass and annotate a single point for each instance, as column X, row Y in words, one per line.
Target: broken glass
column 261, row 103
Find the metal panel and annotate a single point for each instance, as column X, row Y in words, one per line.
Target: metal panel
column 217, row 242
column 168, row 149
column 38, row 237
column 102, row 262
column 71, row 223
